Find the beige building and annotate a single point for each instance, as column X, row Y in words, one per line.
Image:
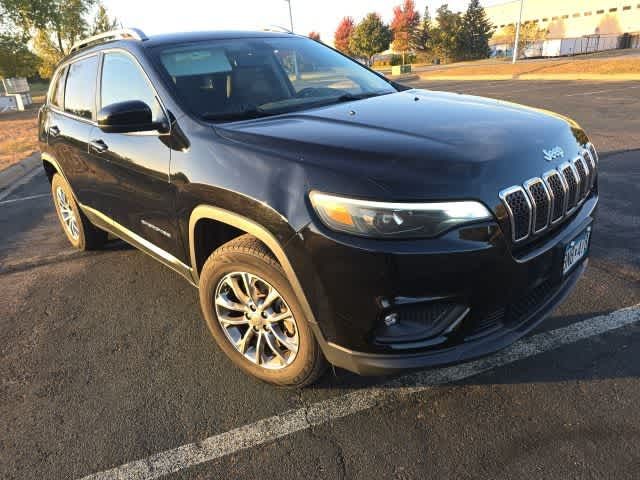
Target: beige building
column 570, row 18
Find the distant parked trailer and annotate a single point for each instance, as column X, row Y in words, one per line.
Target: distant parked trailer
column 590, row 44
column 534, row 50
column 551, row 48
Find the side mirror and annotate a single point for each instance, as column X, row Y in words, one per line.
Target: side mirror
column 125, row 117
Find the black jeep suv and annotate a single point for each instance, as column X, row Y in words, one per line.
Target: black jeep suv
column 325, row 213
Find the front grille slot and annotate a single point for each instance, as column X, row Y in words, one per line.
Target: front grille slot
column 519, row 209
column 541, row 203
column 593, row 152
column 572, row 183
column 558, row 191
column 582, row 173
column 546, row 201
column 590, row 161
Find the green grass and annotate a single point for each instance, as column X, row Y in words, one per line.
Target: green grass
column 38, row 88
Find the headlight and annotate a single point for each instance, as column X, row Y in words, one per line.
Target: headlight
column 394, row 220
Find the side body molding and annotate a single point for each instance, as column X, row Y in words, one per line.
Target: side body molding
column 258, row 231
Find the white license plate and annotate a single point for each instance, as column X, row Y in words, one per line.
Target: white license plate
column 576, row 250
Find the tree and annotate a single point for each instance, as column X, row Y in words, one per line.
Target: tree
column 64, row 20
column 475, row 31
column 314, row 36
column 343, row 34
column 102, row 22
column 404, row 25
column 529, row 34
column 445, row 35
column 421, row 39
column 371, row 36
column 16, row 60
column 52, row 26
column 47, row 52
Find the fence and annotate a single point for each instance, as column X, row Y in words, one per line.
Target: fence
column 561, row 47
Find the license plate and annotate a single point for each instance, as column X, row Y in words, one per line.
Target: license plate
column 576, row 250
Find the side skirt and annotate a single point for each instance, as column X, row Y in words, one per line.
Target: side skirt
column 100, row 220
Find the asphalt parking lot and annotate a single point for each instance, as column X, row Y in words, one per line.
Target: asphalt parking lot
column 108, row 369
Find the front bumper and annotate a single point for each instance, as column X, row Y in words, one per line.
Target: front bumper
column 379, row 364
column 352, row 283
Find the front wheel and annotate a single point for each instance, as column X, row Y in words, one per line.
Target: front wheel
column 255, row 317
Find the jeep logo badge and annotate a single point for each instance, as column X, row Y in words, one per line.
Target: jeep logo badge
column 554, row 153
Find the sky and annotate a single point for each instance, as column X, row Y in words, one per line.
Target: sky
column 308, row 15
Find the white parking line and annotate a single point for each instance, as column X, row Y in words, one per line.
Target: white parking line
column 22, row 199
column 602, row 91
column 292, row 421
column 21, row 181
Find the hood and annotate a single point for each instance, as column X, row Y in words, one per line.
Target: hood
column 420, row 145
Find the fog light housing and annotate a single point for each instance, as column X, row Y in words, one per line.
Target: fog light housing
column 419, row 325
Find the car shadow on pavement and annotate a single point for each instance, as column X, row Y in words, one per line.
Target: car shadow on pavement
column 602, row 357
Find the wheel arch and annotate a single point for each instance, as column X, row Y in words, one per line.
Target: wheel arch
column 246, row 225
column 51, row 166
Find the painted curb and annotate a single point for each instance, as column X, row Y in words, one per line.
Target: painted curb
column 541, row 76
column 12, row 174
column 398, row 78
column 600, row 77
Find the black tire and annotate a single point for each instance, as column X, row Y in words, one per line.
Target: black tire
column 248, row 254
column 85, row 236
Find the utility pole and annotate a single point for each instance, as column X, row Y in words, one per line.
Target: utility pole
column 295, row 55
column 290, row 15
column 515, row 46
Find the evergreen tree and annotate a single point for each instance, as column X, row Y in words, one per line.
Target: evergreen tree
column 421, row 39
column 444, row 36
column 371, row 36
column 475, row 32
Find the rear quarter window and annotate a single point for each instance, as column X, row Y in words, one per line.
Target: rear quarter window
column 57, row 90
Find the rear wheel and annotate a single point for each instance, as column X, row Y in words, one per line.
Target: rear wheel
column 78, row 229
column 255, row 317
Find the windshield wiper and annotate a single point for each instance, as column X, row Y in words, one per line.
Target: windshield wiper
column 347, row 97
column 320, row 102
column 238, row 115
column 257, row 112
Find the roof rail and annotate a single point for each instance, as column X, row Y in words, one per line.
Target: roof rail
column 125, row 33
column 276, row 28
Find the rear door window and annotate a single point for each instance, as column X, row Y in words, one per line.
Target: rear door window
column 80, row 90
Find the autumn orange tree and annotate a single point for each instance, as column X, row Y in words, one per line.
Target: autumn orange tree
column 314, row 36
column 404, row 25
column 343, row 35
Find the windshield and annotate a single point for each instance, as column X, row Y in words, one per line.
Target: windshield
column 246, row 78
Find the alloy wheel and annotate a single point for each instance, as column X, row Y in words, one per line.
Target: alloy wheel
column 256, row 320
column 68, row 215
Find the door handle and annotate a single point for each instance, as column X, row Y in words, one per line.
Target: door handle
column 54, row 131
column 99, row 145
